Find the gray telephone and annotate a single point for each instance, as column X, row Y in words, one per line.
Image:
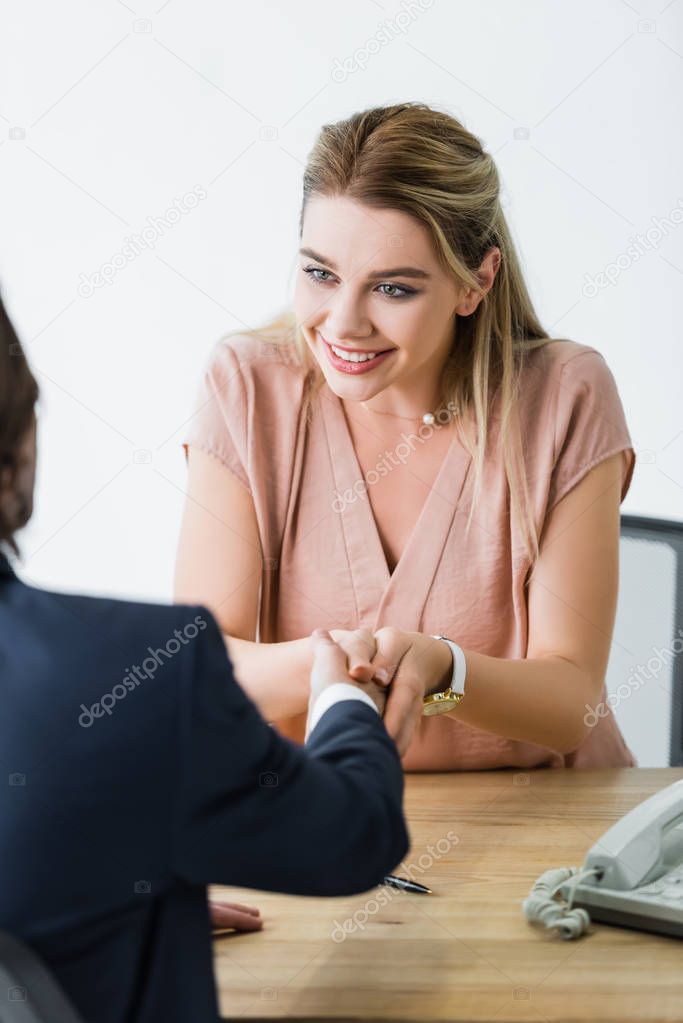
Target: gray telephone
column 632, row 876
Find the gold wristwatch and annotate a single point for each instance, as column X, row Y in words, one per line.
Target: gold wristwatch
column 441, row 703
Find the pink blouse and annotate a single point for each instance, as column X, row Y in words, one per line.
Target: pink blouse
column 324, row 564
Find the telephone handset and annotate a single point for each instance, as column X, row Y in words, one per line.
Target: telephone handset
column 632, row 876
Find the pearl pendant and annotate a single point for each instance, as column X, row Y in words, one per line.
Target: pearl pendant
column 428, row 419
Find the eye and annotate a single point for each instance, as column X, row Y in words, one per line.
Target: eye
column 310, row 271
column 404, row 291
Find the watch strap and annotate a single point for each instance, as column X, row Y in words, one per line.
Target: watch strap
column 459, row 666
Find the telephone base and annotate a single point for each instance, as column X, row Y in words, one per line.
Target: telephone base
column 655, row 907
column 634, row 921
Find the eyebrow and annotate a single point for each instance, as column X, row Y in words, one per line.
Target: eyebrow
column 397, row 271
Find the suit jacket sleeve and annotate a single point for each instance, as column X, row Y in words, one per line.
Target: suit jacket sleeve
column 255, row 809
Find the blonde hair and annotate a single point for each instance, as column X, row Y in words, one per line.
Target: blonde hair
column 418, row 160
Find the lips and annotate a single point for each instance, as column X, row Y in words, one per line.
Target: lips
column 356, row 351
column 354, row 367
column 362, row 351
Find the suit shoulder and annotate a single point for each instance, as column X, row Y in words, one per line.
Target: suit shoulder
column 107, row 620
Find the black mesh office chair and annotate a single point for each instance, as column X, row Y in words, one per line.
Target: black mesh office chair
column 28, row 991
column 645, row 672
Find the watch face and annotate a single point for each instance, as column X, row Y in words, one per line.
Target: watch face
column 440, row 706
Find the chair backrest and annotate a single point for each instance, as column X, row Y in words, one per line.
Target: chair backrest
column 28, row 991
column 645, row 672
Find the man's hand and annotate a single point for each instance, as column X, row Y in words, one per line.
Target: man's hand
column 417, row 665
column 360, row 647
column 233, row 915
column 333, row 661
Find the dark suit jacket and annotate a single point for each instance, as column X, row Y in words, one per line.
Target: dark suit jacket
column 137, row 771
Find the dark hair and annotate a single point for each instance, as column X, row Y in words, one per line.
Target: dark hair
column 18, row 395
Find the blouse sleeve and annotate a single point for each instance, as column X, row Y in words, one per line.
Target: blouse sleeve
column 590, row 424
column 219, row 422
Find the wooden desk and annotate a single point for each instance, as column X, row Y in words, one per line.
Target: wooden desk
column 465, row 952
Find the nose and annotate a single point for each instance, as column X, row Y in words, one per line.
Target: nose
column 345, row 319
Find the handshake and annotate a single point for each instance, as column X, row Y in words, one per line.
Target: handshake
column 396, row 668
column 346, row 656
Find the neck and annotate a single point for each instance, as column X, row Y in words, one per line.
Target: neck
column 411, row 398
column 397, row 411
column 410, row 401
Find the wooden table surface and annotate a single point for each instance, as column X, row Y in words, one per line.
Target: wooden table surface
column 466, row 952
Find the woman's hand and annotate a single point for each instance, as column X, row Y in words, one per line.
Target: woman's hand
column 417, row 665
column 233, row 915
column 335, row 653
column 360, row 646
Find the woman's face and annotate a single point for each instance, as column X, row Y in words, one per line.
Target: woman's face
column 369, row 282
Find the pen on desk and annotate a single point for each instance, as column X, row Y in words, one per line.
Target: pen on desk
column 405, row 885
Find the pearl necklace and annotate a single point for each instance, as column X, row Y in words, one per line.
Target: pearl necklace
column 428, row 418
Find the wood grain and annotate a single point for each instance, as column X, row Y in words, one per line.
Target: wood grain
column 465, row 952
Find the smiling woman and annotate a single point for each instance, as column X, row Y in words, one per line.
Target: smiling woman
column 409, row 310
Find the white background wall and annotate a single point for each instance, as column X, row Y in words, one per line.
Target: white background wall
column 110, row 111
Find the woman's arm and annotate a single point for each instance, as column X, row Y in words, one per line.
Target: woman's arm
column 572, row 597
column 219, row 565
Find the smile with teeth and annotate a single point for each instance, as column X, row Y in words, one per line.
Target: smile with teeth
column 354, row 356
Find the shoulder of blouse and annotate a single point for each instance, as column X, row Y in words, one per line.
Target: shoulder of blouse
column 556, row 353
column 253, row 350
column 263, row 366
column 551, row 365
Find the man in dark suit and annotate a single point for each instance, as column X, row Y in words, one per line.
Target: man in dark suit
column 137, row 771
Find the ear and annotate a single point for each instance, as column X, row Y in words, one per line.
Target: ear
column 486, row 275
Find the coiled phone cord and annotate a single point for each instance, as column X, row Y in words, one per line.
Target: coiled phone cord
column 541, row 907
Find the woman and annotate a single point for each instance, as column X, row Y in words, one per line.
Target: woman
column 319, row 494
